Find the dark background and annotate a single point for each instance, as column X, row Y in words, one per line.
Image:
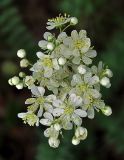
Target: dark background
column 22, row 24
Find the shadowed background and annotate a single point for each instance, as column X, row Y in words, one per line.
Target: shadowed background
column 22, row 24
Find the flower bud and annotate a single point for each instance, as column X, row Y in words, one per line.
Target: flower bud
column 22, row 74
column 24, row 63
column 62, row 61
column 57, row 127
column 105, row 81
column 21, row 53
column 50, row 46
column 81, row 69
column 81, row 133
column 15, row 80
column 109, row 73
column 107, row 111
column 19, row 86
column 53, row 142
column 10, row 82
column 74, row 20
column 75, row 141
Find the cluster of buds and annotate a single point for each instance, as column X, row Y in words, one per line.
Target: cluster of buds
column 65, row 86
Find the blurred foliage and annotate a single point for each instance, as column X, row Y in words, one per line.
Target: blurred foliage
column 104, row 23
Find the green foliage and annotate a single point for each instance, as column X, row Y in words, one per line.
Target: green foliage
column 14, row 32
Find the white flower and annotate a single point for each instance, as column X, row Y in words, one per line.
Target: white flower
column 57, row 22
column 24, row 63
column 68, row 111
column 78, row 42
column 15, row 80
column 21, row 53
column 74, row 20
column 29, row 118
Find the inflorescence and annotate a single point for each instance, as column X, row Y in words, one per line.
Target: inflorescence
column 64, row 70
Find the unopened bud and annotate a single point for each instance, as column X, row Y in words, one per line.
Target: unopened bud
column 15, row 80
column 24, row 63
column 74, row 21
column 21, row 53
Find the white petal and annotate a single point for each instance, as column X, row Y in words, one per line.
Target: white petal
column 95, row 93
column 35, row 91
column 42, row 44
column 40, row 112
column 41, row 90
column 55, row 64
column 90, row 113
column 87, row 77
column 40, row 55
column 86, row 60
column 76, row 60
column 51, row 98
column 48, row 107
column 46, row 34
column 74, row 34
column 77, row 120
column 82, row 34
column 62, row 36
column 58, row 112
column 91, row 53
column 48, row 115
column 21, row 115
column 57, row 103
column 45, row 122
column 81, row 112
column 94, row 80
column 48, row 72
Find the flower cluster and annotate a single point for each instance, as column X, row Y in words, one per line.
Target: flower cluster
column 65, row 86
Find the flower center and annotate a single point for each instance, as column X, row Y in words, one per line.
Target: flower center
column 47, row 62
column 69, row 109
column 79, row 44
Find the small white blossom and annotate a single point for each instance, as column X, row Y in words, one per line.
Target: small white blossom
column 15, row 80
column 107, row 111
column 74, row 20
column 10, row 82
column 24, row 63
column 53, row 142
column 21, row 53
column 75, row 141
column 105, row 81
